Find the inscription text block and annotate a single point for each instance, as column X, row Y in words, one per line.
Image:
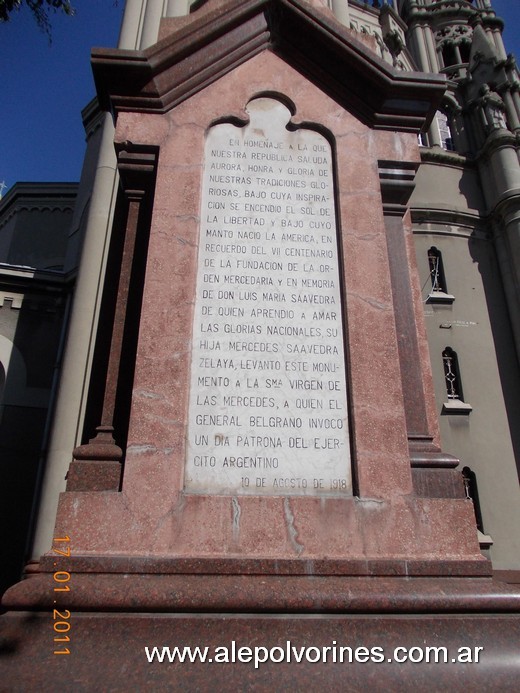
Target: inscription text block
column 268, row 399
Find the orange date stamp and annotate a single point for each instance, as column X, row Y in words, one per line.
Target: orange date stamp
column 61, row 618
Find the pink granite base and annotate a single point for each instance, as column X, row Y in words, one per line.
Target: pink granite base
column 235, row 593
column 107, row 652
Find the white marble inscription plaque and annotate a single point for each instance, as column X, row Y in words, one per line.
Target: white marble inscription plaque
column 268, row 400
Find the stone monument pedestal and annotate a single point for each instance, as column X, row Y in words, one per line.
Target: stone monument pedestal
column 264, row 632
column 282, row 483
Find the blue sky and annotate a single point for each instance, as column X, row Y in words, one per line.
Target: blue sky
column 509, row 10
column 45, row 87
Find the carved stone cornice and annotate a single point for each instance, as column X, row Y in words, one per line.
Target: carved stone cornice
column 39, row 197
column 158, row 78
column 397, row 180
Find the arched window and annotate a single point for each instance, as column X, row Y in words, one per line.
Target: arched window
column 465, row 50
column 452, row 374
column 445, row 136
column 471, row 488
column 449, row 56
column 439, row 289
column 470, row 485
column 437, row 270
column 455, row 403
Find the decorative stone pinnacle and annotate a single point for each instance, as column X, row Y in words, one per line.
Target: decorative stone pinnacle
column 101, row 447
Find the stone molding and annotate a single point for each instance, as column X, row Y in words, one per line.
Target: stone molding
column 160, row 77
